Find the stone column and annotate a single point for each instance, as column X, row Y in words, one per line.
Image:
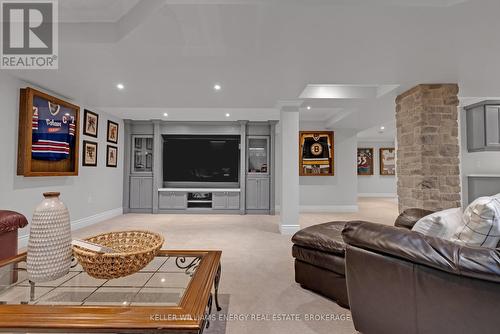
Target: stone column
column 289, row 131
column 427, row 162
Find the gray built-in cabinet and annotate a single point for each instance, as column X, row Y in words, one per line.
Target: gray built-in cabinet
column 258, row 191
column 225, row 200
column 483, row 126
column 141, row 196
column 146, row 192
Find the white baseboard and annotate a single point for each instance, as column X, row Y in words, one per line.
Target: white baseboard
column 289, row 229
column 388, row 195
column 22, row 241
column 324, row 208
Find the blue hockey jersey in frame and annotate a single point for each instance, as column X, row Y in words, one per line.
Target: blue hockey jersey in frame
column 53, row 130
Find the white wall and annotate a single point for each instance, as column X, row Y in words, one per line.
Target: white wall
column 376, row 185
column 474, row 162
column 95, row 194
column 328, row 193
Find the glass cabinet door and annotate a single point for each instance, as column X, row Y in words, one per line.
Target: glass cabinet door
column 142, row 153
column 258, row 155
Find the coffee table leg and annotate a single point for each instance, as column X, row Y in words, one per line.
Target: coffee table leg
column 32, row 291
column 216, row 285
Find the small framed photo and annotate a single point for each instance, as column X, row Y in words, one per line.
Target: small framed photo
column 111, row 156
column 112, row 132
column 90, row 123
column 365, row 161
column 89, row 153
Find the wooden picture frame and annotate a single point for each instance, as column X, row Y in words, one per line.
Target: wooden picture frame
column 89, row 153
column 35, row 155
column 90, row 123
column 112, row 132
column 365, row 161
column 387, row 159
column 316, row 153
column 111, row 156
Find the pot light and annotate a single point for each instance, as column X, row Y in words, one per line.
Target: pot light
column 228, row 114
column 308, row 107
column 382, row 127
column 217, row 87
column 165, row 114
column 120, row 86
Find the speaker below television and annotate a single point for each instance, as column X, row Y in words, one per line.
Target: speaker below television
column 201, row 161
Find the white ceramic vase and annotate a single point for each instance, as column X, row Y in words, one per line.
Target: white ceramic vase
column 49, row 246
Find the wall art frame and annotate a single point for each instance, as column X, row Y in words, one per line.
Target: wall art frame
column 365, row 161
column 90, row 123
column 89, row 153
column 316, row 153
column 387, row 158
column 58, row 115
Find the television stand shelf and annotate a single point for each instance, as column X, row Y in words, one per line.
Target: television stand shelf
column 210, row 199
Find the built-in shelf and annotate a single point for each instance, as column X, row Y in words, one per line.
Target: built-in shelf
column 200, row 190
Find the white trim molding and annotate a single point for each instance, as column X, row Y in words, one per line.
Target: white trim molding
column 325, row 208
column 388, row 195
column 289, row 229
column 22, row 241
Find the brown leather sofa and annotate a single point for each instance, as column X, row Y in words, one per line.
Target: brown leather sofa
column 319, row 260
column 319, row 253
column 400, row 281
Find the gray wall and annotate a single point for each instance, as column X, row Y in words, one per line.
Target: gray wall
column 376, row 185
column 328, row 193
column 95, row 193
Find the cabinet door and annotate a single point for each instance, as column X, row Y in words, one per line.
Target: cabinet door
column 179, row 200
column 252, row 197
column 233, row 200
column 166, row 200
column 135, row 192
column 146, row 193
column 219, row 200
column 264, row 194
column 492, row 127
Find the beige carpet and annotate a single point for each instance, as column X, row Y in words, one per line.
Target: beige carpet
column 257, row 267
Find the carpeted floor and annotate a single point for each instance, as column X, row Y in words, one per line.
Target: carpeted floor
column 257, row 267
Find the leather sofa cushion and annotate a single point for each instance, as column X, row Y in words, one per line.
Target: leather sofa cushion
column 332, row 262
column 409, row 217
column 11, row 221
column 326, row 237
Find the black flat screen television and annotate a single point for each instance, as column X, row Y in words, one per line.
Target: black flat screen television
column 201, row 159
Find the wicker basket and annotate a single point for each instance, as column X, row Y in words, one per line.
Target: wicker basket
column 135, row 249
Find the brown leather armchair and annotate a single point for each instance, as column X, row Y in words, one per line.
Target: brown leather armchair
column 10, row 222
column 400, row 281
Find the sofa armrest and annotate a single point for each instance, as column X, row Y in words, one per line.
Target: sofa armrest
column 475, row 262
column 409, row 217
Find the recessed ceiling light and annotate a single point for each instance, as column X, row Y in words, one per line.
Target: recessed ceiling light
column 382, row 127
column 165, row 114
column 120, row 86
column 308, row 107
column 228, row 114
column 217, row 87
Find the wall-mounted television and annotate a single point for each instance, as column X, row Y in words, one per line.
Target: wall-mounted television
column 201, row 160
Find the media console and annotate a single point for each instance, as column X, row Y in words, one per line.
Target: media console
column 199, row 199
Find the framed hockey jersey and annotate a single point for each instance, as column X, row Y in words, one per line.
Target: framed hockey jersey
column 48, row 135
column 316, row 155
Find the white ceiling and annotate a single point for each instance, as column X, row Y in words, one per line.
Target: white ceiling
column 169, row 54
column 94, row 10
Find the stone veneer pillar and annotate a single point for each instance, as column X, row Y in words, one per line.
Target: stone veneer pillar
column 427, row 162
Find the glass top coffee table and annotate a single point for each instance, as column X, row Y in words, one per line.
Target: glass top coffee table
column 173, row 293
